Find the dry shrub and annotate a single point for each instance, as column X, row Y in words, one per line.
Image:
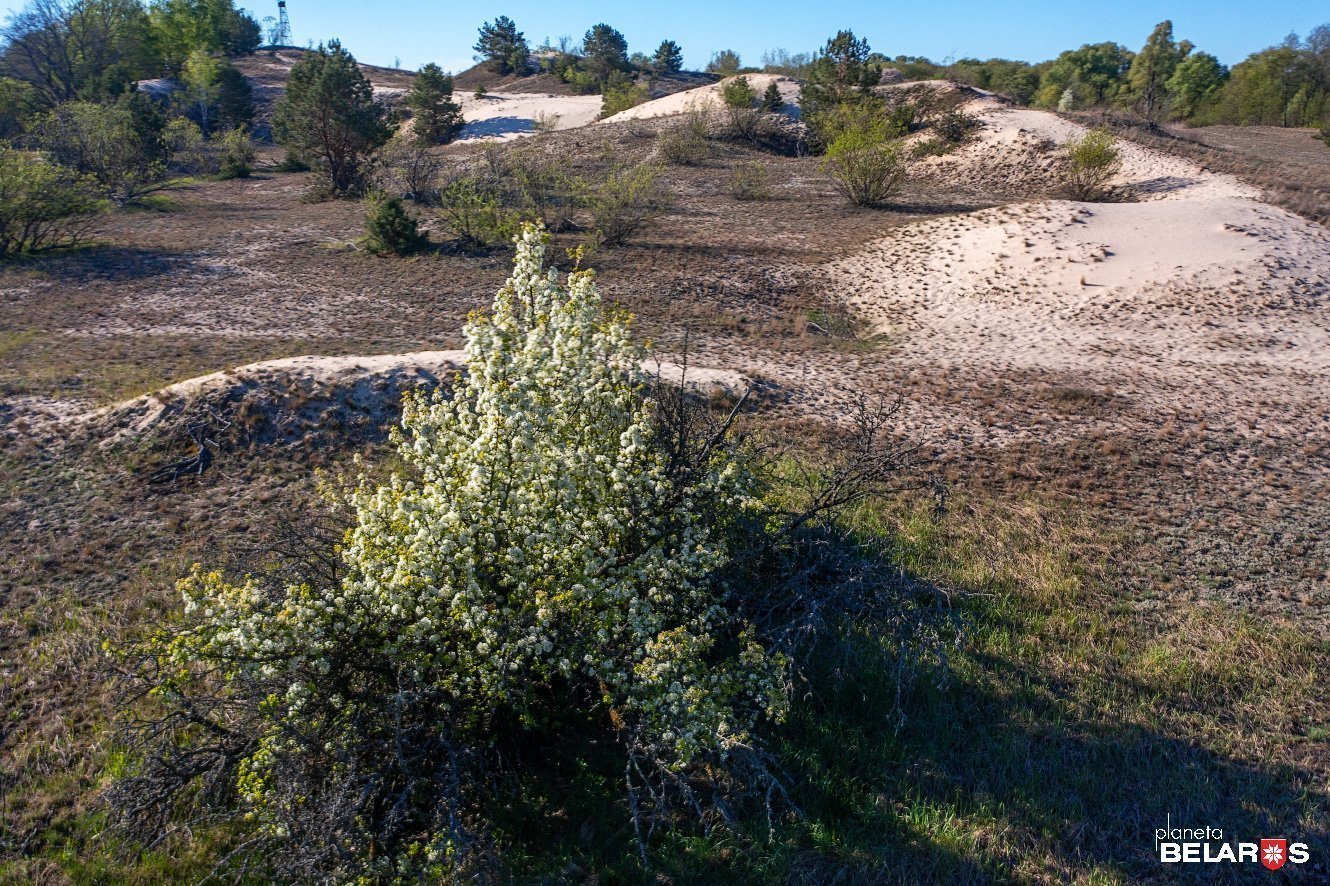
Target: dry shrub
column 750, row 181
column 686, row 142
column 409, row 170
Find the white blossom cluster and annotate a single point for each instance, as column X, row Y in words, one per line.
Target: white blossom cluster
column 535, row 537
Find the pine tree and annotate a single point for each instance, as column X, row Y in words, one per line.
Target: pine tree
column 328, row 113
column 502, row 46
column 606, row 52
column 437, row 117
column 840, row 73
column 389, row 229
column 235, row 99
column 668, row 58
column 772, row 101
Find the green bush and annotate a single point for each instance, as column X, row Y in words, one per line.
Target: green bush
column 955, row 126
column 737, row 92
column 474, row 210
column 293, row 162
column 1089, row 164
column 122, row 146
column 622, row 97
column 740, row 101
column 582, row 82
column 18, row 103
column 750, row 181
column 625, row 200
column 865, row 158
column 190, row 153
column 237, row 155
column 390, row 229
column 42, row 205
column 772, row 100
column 902, row 119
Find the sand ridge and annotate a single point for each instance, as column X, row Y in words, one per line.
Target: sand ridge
column 708, row 98
column 1198, row 275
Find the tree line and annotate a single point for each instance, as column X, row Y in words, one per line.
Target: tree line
column 1166, row 79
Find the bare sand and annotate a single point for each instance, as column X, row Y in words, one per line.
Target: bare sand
column 503, row 116
column 707, row 98
column 1198, row 283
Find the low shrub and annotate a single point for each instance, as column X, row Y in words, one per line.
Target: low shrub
column 535, row 183
column 408, row 169
column 625, row 200
column 622, row 97
column 42, row 205
column 955, row 126
column 292, row 162
column 545, row 122
column 740, row 101
column 932, row 147
column 237, row 155
column 189, row 151
column 685, row 142
column 580, row 81
column 389, row 229
column 902, row 119
column 750, row 181
column 474, row 210
column 865, row 159
column 1089, row 164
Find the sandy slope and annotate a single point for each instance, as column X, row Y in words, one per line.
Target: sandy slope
column 708, row 97
column 508, row 115
column 369, row 384
column 1199, row 279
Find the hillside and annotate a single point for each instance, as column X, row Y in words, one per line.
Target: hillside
column 508, row 109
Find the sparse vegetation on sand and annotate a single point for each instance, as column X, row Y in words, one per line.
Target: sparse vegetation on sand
column 865, row 158
column 1090, row 163
column 940, row 530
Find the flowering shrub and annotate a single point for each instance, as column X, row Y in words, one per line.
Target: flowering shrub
column 537, row 552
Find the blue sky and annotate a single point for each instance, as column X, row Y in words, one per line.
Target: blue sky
column 417, row 31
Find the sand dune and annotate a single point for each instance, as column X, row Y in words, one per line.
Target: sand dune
column 708, row 97
column 1198, row 274
column 507, row 115
column 371, row 385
